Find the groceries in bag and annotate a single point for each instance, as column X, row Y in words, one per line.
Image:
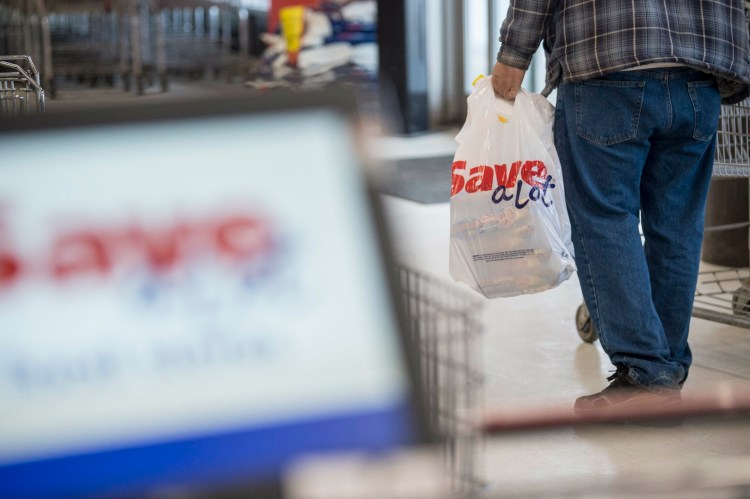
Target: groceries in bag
column 510, row 232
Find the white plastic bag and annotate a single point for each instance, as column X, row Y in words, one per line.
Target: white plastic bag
column 510, row 232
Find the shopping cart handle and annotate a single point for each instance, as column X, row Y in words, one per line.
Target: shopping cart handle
column 722, row 400
column 20, row 70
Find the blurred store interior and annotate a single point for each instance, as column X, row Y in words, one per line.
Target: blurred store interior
column 224, row 233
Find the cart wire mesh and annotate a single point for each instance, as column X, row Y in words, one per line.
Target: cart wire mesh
column 724, row 295
column 20, row 91
column 733, row 141
column 445, row 328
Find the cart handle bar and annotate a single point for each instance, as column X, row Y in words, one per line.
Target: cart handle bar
column 25, row 75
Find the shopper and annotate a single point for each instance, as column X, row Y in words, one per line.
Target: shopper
column 639, row 91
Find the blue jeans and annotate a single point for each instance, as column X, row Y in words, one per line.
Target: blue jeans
column 639, row 145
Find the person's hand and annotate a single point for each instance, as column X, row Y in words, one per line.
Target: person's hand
column 506, row 80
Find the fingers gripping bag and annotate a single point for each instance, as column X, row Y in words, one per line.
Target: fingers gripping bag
column 510, row 232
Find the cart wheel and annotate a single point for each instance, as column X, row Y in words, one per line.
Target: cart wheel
column 139, row 85
column 741, row 302
column 585, row 325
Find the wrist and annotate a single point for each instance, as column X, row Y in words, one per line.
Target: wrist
column 513, row 58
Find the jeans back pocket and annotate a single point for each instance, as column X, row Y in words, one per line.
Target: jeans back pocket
column 608, row 112
column 707, row 105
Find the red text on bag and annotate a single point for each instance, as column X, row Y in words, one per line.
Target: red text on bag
column 485, row 178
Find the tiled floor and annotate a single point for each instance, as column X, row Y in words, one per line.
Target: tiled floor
column 533, row 357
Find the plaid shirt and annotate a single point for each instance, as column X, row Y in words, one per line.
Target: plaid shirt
column 588, row 38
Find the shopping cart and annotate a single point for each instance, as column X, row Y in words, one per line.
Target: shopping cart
column 20, row 91
column 196, row 37
column 444, row 325
column 135, row 41
column 721, row 295
column 724, row 295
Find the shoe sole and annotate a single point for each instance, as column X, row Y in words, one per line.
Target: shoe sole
column 638, row 406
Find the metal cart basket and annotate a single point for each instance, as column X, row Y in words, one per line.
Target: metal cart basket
column 724, row 295
column 20, row 91
column 445, row 329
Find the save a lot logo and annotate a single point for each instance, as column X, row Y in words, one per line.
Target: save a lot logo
column 97, row 251
column 506, row 184
column 140, row 296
